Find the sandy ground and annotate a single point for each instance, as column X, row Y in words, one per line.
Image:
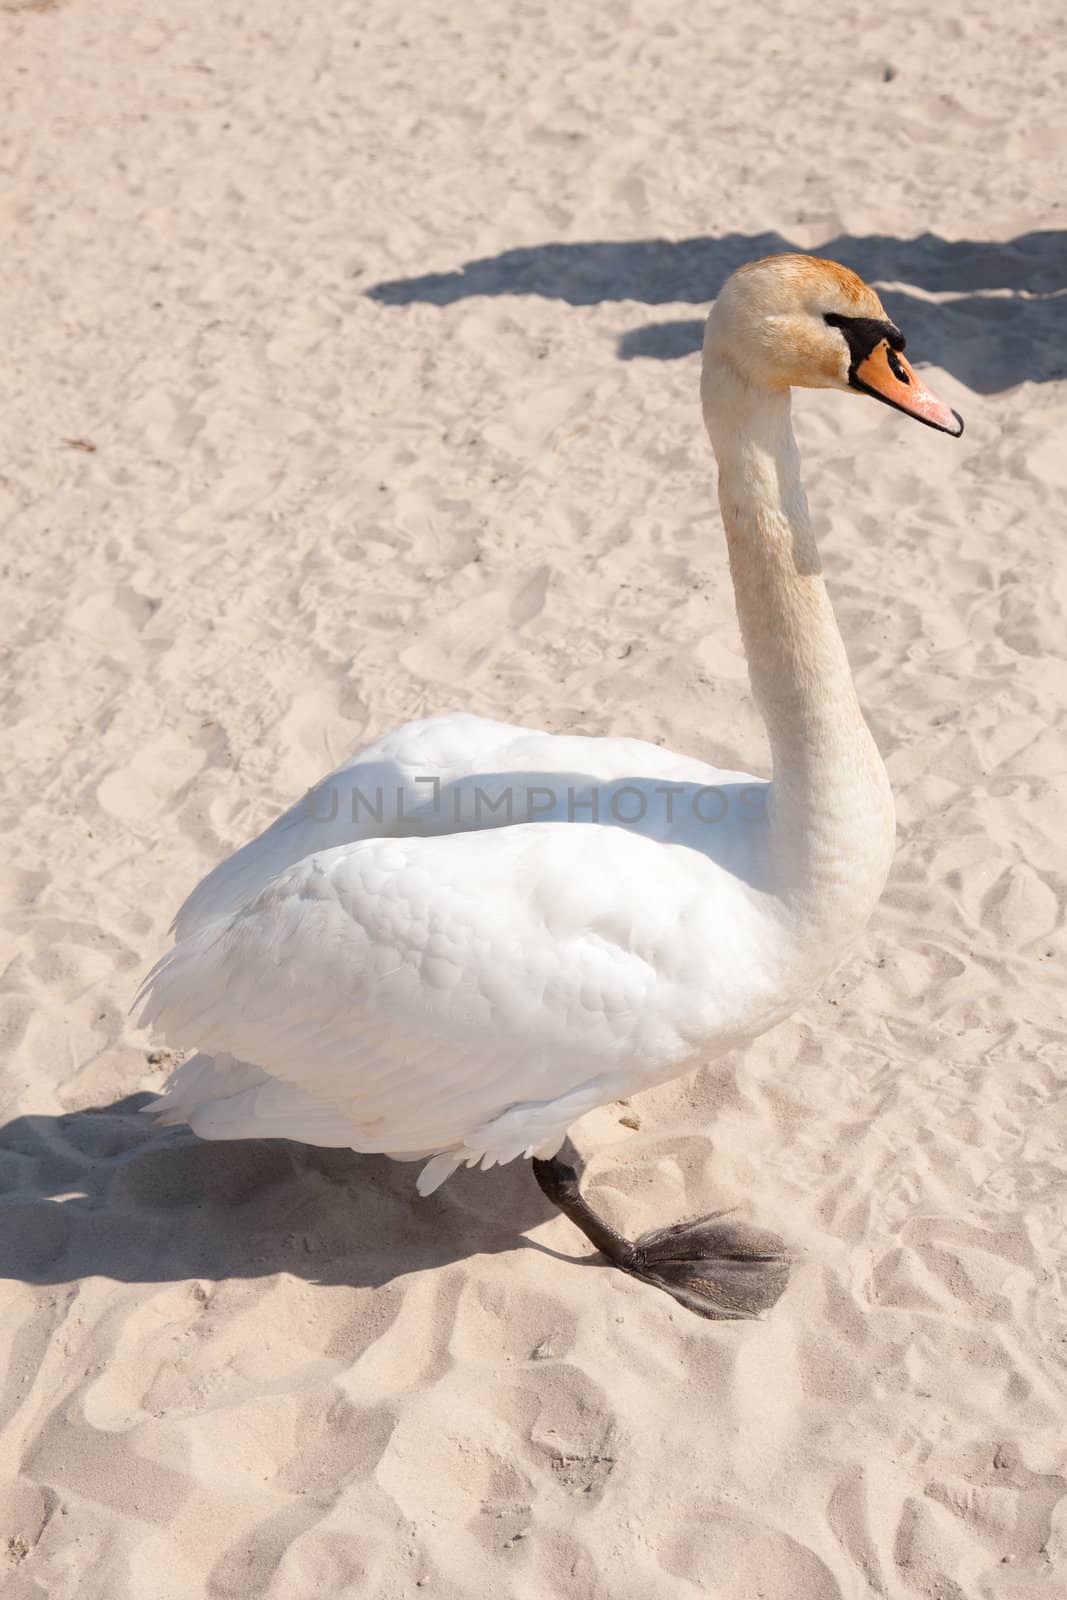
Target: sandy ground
column 350, row 374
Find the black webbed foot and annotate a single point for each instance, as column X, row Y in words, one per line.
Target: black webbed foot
column 716, row 1266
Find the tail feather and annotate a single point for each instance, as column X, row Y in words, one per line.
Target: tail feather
column 223, row 1098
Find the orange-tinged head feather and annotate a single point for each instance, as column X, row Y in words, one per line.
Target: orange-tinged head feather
column 817, row 275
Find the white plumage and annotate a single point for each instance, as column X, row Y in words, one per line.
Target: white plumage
column 412, row 976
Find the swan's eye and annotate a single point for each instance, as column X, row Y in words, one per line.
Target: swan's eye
column 896, row 367
column 835, row 320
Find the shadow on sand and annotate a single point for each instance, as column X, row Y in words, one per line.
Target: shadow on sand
column 103, row 1192
column 1002, row 325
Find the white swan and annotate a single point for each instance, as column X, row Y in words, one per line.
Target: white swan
column 473, row 933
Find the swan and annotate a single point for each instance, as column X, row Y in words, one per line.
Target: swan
column 473, row 933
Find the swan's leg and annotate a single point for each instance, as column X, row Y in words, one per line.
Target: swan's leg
column 716, row 1266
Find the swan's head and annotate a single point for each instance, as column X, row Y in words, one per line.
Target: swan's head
column 795, row 321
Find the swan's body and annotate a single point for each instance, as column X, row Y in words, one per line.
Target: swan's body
column 445, row 989
column 474, row 933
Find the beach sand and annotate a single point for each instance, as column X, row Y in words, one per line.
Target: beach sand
column 350, row 375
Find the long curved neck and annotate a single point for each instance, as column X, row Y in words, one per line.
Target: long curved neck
column 831, row 811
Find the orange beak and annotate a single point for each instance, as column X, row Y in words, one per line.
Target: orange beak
column 887, row 376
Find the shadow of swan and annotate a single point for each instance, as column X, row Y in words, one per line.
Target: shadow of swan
column 101, row 1192
column 999, row 328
